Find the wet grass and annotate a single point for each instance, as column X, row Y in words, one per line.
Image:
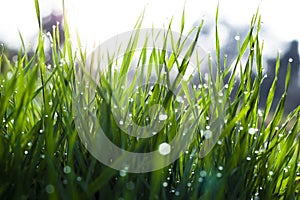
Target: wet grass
column 42, row 156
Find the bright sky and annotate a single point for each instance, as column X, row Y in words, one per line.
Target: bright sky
column 98, row 20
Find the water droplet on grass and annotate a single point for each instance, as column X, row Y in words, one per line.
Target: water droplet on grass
column 207, row 134
column 131, row 100
column 252, row 131
column 179, row 99
column 164, row 149
column 67, row 169
column 260, row 114
column 130, row 185
column 237, row 37
column 163, row 117
column 203, row 173
column 50, row 189
column 165, row 184
column 123, row 173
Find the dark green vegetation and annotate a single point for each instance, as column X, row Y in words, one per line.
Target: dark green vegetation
column 42, row 156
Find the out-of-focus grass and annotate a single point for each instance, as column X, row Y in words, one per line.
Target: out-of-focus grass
column 41, row 155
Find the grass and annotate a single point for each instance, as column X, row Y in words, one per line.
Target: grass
column 42, row 156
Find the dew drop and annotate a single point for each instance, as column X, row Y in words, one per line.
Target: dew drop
column 219, row 175
column 252, row 131
column 291, row 60
column 260, row 114
column 164, row 148
column 130, row 185
column 130, row 100
column 179, row 99
column 237, row 37
column 203, row 173
column 165, row 184
column 207, row 134
column 163, row 117
column 67, row 169
column 123, row 173
column 50, row 189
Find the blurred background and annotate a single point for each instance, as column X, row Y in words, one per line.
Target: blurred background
column 98, row 20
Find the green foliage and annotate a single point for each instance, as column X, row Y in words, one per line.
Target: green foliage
column 41, row 155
